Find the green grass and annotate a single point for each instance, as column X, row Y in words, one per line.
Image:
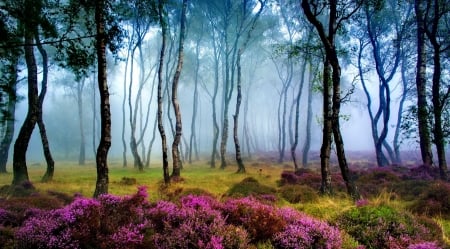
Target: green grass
column 71, row 178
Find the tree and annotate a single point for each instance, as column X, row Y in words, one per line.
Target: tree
column 422, row 105
column 30, row 26
column 48, row 176
column 102, row 183
column 435, row 30
column 162, row 22
column 9, row 58
column 376, row 35
column 331, row 70
column 176, row 168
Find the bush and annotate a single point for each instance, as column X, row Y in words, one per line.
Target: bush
column 250, row 187
column 306, row 232
column 298, row 193
column 434, row 201
column 409, row 190
column 373, row 182
column 194, row 224
column 191, row 222
column 109, row 222
column 385, row 227
column 259, row 219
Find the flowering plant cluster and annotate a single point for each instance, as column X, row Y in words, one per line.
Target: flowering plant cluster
column 385, row 227
column 192, row 222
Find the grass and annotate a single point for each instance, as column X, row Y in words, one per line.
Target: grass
column 71, row 178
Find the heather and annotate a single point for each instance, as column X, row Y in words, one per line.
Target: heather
column 385, row 227
column 191, row 222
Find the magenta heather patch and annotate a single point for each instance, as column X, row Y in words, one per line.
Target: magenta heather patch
column 306, row 232
column 194, row 222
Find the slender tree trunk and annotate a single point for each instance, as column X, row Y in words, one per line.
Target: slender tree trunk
column 331, row 121
column 438, row 104
column 381, row 158
column 48, row 176
column 9, row 117
column 297, row 116
column 351, row 188
column 421, row 81
column 150, row 146
column 20, row 171
column 105, row 112
column 216, row 130
column 124, row 142
column 161, row 130
column 82, row 155
column 133, row 113
column 404, row 68
column 309, row 116
column 176, row 165
column 325, row 149
column 241, row 167
column 193, row 137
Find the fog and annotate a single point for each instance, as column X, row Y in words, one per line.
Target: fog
column 267, row 63
column 62, row 122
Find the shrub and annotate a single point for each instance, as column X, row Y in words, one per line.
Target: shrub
column 423, row 172
column 384, row 227
column 128, row 181
column 191, row 222
column 373, row 182
column 306, row 232
column 434, row 201
column 259, row 219
column 298, row 193
column 108, row 222
column 409, row 190
column 249, row 187
column 194, row 224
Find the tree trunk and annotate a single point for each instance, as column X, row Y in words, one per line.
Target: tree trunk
column 237, row 146
column 162, row 133
column 331, row 121
column 105, row 112
column 133, row 113
column 438, row 104
column 297, row 116
column 216, row 131
column 421, row 81
column 124, row 143
column 48, row 176
column 20, row 171
column 9, row 117
column 193, row 137
column 309, row 116
column 351, row 188
column 325, row 149
column 82, row 155
column 176, row 165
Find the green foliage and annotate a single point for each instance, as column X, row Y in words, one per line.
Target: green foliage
column 298, row 193
column 386, row 227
